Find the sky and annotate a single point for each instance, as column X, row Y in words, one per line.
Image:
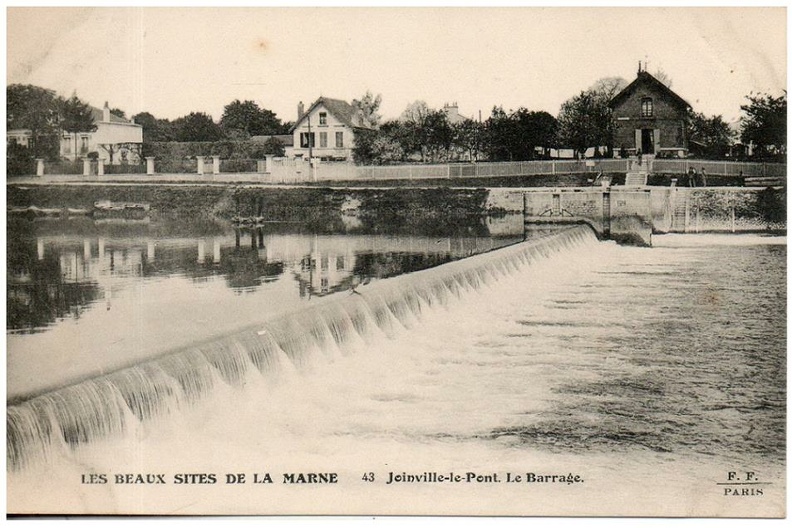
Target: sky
column 172, row 61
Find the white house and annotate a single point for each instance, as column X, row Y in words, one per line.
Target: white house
column 116, row 140
column 327, row 130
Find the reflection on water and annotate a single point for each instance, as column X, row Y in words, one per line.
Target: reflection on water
column 52, row 275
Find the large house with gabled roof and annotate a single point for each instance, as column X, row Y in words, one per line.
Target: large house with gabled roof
column 326, row 130
column 115, row 140
column 649, row 117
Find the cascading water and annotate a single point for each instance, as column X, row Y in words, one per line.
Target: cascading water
column 109, row 405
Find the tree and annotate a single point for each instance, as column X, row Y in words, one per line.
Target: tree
column 154, row 129
column 363, row 151
column 274, row 147
column 498, row 135
column 663, row 77
column 76, row 116
column 585, row 121
column 38, row 110
column 403, row 133
column 249, row 119
column 469, row 137
column 118, row 113
column 197, row 126
column 532, row 130
column 437, row 135
column 415, row 112
column 764, row 123
column 368, row 106
column 712, row 135
column 608, row 87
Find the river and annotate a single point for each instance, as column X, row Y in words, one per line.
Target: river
column 647, row 375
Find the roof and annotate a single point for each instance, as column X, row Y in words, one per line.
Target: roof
column 98, row 115
column 341, row 110
column 646, row 78
column 287, row 140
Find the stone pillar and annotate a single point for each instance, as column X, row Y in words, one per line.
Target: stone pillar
column 200, row 160
column 150, row 251
column 215, row 164
column 40, row 248
column 100, row 167
column 268, row 164
column 201, row 251
column 39, row 167
column 86, row 166
column 216, row 250
column 149, row 164
column 86, row 249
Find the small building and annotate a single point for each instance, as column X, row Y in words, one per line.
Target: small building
column 649, row 117
column 452, row 114
column 116, row 140
column 326, row 130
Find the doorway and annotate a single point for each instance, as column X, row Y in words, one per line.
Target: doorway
column 647, row 141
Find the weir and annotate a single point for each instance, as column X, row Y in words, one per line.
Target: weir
column 115, row 403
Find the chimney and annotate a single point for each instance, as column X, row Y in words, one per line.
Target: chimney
column 300, row 110
column 106, row 113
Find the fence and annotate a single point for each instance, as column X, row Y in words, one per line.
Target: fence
column 283, row 170
column 722, row 168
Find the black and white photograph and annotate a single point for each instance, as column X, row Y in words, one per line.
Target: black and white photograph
column 456, row 261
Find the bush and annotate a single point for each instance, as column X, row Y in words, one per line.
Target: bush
column 19, row 160
column 227, row 150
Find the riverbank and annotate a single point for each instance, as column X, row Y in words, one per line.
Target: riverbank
column 327, row 209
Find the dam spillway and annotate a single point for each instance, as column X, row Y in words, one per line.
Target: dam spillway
column 109, row 405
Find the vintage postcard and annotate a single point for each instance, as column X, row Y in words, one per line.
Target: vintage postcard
column 458, row 261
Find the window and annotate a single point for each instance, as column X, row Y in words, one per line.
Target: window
column 646, row 107
column 304, row 136
column 83, row 144
column 339, row 139
column 323, row 139
column 322, row 118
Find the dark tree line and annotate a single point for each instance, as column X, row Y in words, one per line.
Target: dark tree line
column 420, row 134
column 47, row 116
column 428, row 135
column 240, row 121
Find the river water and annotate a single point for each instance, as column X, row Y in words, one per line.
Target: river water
column 656, row 375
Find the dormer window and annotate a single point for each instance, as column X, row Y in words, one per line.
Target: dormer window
column 322, row 118
column 647, row 109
